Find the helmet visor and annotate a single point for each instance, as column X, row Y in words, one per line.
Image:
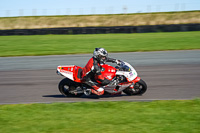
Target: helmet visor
column 103, row 58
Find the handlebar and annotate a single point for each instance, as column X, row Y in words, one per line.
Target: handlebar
column 124, row 67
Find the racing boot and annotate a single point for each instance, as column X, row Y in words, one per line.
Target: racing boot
column 97, row 90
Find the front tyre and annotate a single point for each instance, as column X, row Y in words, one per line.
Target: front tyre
column 139, row 88
column 66, row 86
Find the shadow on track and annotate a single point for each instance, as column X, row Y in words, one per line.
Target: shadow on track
column 86, row 97
column 54, row 96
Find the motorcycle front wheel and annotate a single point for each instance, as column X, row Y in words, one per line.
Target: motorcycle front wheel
column 66, row 86
column 139, row 88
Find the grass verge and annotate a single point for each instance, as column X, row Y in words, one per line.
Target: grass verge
column 76, row 44
column 109, row 117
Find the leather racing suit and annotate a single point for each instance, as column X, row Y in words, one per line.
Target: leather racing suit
column 93, row 69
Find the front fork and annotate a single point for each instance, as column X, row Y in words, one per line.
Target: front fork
column 137, row 79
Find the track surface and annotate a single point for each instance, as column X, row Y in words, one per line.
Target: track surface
column 169, row 75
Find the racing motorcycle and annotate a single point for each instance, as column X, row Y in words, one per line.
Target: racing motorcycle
column 124, row 78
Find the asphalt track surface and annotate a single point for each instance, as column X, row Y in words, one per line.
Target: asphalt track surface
column 170, row 75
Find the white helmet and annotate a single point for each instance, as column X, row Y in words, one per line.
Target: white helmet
column 100, row 54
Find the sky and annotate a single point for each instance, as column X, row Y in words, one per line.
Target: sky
column 10, row 8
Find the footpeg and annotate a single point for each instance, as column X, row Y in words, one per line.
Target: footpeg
column 87, row 92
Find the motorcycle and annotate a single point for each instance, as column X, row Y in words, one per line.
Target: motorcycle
column 124, row 78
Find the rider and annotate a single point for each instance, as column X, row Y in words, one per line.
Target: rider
column 93, row 69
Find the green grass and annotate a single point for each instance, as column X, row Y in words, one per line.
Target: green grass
column 102, row 117
column 76, row 44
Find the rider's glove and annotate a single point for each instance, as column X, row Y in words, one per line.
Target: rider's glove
column 118, row 62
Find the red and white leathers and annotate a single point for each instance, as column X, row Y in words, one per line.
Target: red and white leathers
column 93, row 70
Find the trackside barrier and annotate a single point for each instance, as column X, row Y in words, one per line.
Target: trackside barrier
column 103, row 30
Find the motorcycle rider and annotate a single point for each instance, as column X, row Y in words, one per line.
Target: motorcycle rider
column 93, row 69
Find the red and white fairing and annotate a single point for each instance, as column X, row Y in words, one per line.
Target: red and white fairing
column 130, row 75
column 110, row 72
column 70, row 72
column 107, row 71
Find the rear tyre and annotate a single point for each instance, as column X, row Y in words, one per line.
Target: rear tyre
column 66, row 85
column 139, row 88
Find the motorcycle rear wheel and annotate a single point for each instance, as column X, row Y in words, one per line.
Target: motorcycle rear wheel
column 66, row 85
column 139, row 88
